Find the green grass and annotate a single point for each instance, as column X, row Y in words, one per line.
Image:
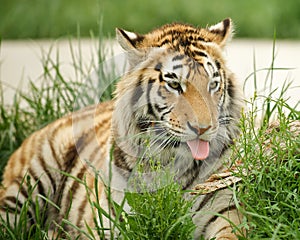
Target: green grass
column 57, row 18
column 159, row 214
column 268, row 195
column 163, row 214
column 52, row 96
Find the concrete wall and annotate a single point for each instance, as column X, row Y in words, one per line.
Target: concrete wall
column 21, row 61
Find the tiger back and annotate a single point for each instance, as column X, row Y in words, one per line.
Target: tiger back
column 178, row 103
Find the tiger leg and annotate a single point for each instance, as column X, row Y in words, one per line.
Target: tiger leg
column 28, row 180
column 23, row 201
column 223, row 226
column 216, row 216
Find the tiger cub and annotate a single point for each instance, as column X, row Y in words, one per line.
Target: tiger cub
column 178, row 98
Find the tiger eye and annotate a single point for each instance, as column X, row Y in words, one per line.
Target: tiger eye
column 214, row 85
column 174, row 85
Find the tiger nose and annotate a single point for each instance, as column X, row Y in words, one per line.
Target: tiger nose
column 198, row 130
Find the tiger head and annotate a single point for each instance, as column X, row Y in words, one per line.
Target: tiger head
column 178, row 92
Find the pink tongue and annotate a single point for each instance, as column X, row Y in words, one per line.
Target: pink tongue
column 199, row 149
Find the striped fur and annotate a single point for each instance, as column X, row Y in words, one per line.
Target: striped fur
column 178, row 89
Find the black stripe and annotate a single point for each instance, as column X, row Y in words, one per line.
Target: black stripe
column 195, row 130
column 158, row 66
column 75, row 186
column 138, row 92
column 200, row 53
column 81, row 211
column 151, row 80
column 71, row 155
column 225, row 90
column 176, row 131
column 218, row 64
column 161, row 78
column 134, row 41
column 192, row 173
column 158, row 108
column 223, row 228
column 149, row 87
column 53, row 151
column 221, row 212
column 206, row 199
column 178, row 57
column 119, row 159
column 206, row 70
column 79, row 145
column 14, row 211
column 224, row 120
column 210, row 64
column 70, row 158
column 226, row 23
column 216, row 74
column 38, row 181
column 177, row 66
column 15, row 202
column 171, row 75
column 188, row 74
column 163, row 115
column 166, row 41
column 46, row 170
column 9, row 209
column 175, row 143
column 143, row 123
column 202, row 39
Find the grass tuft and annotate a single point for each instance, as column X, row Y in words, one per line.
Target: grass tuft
column 269, row 193
column 269, row 148
column 159, row 209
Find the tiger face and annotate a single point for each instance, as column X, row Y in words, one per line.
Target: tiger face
column 186, row 102
column 178, row 92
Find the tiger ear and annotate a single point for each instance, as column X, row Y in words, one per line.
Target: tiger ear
column 222, row 31
column 129, row 42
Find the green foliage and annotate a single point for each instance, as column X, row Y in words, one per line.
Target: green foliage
column 163, row 214
column 269, row 193
column 56, row 18
column 270, row 153
column 158, row 209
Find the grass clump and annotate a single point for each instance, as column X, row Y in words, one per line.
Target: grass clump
column 162, row 213
column 269, row 149
column 269, row 192
column 54, row 95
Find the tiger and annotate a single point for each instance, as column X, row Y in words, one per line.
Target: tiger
column 178, row 100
